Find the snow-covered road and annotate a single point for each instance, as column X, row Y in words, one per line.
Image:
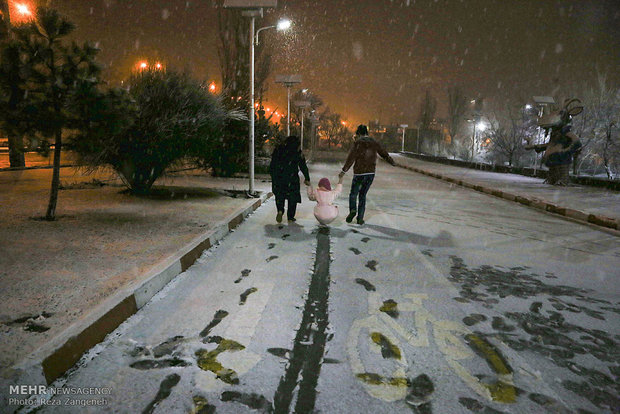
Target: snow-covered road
column 445, row 301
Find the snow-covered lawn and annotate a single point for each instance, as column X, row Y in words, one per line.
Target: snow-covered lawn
column 54, row 272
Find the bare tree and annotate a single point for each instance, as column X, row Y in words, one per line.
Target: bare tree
column 4, row 20
column 457, row 108
column 427, row 113
column 508, row 129
column 234, row 56
column 334, row 130
column 605, row 112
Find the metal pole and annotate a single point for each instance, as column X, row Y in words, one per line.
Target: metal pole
column 251, row 113
column 473, row 141
column 302, row 129
column 288, row 111
column 403, row 146
column 418, row 139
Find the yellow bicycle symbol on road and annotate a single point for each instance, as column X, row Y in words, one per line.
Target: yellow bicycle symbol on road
column 381, row 334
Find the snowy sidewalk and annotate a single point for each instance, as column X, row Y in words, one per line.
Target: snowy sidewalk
column 64, row 275
column 587, row 204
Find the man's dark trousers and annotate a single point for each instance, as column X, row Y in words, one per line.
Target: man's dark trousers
column 360, row 185
column 292, row 206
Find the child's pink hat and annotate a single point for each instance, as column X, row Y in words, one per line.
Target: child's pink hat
column 324, row 182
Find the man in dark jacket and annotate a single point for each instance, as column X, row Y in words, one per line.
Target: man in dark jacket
column 363, row 157
column 286, row 161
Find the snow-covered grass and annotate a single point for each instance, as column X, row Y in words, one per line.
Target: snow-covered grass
column 103, row 240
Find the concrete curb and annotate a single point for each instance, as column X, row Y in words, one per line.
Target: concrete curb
column 575, row 215
column 57, row 356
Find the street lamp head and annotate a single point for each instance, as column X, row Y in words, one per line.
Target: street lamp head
column 284, row 24
column 23, row 9
column 481, row 126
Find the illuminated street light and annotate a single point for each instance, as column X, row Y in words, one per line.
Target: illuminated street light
column 284, row 24
column 528, row 106
column 23, row 9
column 158, row 66
column 481, row 126
column 20, row 13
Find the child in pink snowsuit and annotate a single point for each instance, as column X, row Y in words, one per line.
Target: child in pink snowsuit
column 324, row 211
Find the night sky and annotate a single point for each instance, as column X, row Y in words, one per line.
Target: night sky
column 373, row 59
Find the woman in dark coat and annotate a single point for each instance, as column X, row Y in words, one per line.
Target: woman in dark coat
column 286, row 161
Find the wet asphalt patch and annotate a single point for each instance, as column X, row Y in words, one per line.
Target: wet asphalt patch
column 270, row 258
column 476, row 406
column 244, row 273
column 307, row 354
column 390, row 307
column 473, row 319
column 271, row 246
column 367, row 285
column 253, row 401
column 202, row 406
column 388, row 349
column 365, row 239
column 217, row 318
column 420, row 390
column 159, row 363
column 207, row 360
column 167, row 347
column 354, row 250
column 165, row 388
column 244, row 296
column 372, row 265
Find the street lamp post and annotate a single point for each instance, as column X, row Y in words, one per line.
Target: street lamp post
column 288, row 81
column 251, row 9
column 303, row 105
column 404, row 128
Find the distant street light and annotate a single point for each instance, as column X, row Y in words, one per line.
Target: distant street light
column 23, row 9
column 482, row 126
column 288, row 81
column 158, row 66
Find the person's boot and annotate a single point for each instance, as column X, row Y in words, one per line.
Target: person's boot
column 351, row 215
column 279, row 216
column 360, row 221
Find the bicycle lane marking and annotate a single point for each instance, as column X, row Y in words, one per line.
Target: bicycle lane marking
column 502, row 390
